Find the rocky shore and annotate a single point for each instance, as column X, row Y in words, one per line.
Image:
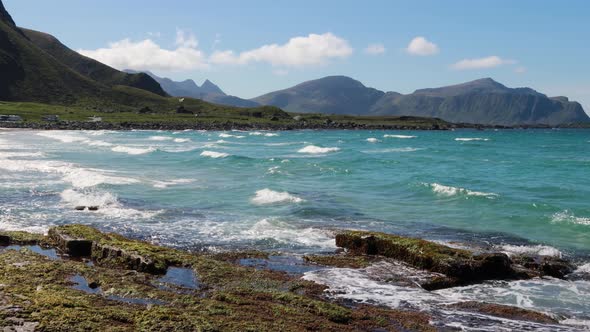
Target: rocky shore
column 78, row 278
column 228, row 125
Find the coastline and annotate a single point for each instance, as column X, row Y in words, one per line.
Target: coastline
column 77, row 275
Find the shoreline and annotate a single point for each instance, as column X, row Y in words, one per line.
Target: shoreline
column 224, row 126
column 99, row 278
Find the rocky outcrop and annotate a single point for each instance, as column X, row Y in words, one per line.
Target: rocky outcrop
column 458, row 266
column 504, row 311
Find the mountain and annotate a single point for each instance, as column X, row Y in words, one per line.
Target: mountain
column 208, row 91
column 332, row 94
column 90, row 67
column 482, row 101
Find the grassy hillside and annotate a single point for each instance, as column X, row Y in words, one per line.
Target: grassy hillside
column 90, row 67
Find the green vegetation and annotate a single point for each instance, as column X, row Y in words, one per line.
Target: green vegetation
column 229, row 298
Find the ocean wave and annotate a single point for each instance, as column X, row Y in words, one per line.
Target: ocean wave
column 267, row 196
column 160, row 138
column 166, row 184
column 182, row 140
column 534, row 250
column 454, row 191
column 567, row 216
column 10, row 154
column 399, row 136
column 372, row 140
column 285, row 233
column 312, row 149
column 107, row 203
column 470, row 139
column 224, row 135
column 583, row 269
column 258, row 133
column 62, row 136
column 78, row 176
column 213, row 154
column 406, row 149
column 132, row 150
column 98, row 143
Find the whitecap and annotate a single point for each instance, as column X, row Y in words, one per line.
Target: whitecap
column 534, row 250
column 285, row 233
column 567, row 216
column 399, row 136
column 107, row 203
column 224, row 135
column 160, row 138
column 132, row 150
column 372, row 140
column 453, row 191
column 312, row 149
column 267, row 196
column 213, row 154
column 406, row 149
column 62, row 136
column 470, row 139
column 271, row 135
column 166, row 184
column 181, row 140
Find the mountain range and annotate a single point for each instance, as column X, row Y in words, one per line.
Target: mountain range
column 37, row 67
column 483, row 101
column 188, row 88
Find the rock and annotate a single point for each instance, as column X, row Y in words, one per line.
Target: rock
column 75, row 247
column 106, row 253
column 505, row 311
column 4, row 240
column 80, row 208
column 556, row 267
column 93, row 208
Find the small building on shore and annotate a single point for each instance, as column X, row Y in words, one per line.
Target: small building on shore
column 10, row 118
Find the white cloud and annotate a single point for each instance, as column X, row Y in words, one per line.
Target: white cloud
column 375, row 49
column 482, row 63
column 313, row 49
column 147, row 55
column 421, row 46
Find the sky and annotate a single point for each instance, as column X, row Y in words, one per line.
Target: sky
column 254, row 47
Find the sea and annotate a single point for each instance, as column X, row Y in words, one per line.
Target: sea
column 289, row 192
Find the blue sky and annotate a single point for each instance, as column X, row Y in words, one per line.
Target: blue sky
column 249, row 48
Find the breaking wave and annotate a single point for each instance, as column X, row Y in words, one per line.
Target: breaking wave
column 312, row 149
column 267, row 196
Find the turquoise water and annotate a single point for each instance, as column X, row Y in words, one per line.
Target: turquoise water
column 200, row 188
column 519, row 191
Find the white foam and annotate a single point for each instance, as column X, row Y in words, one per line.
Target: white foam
column 271, row 135
column 567, row 216
column 63, row 136
column 11, row 154
column 583, row 268
column 108, row 204
column 224, row 135
column 285, row 233
column 312, row 149
column 98, row 143
column 406, row 149
column 267, row 196
column 469, row 139
column 213, row 154
column 160, row 138
column 132, row 150
column 453, row 191
column 166, row 184
column 535, row 250
column 372, row 140
column 399, row 136
column 181, row 140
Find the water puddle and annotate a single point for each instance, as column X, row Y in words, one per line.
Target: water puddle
column 81, row 284
column 178, row 277
column 292, row 265
column 49, row 253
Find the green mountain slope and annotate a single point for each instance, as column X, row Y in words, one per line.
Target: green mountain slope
column 90, row 67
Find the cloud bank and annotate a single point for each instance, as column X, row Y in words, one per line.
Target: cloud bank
column 314, row 49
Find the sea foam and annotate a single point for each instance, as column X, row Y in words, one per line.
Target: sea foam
column 399, row 136
column 372, row 140
column 213, row 154
column 132, row 150
column 312, row 149
column 454, row 191
column 534, row 250
column 267, row 196
column 567, row 216
column 469, row 139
